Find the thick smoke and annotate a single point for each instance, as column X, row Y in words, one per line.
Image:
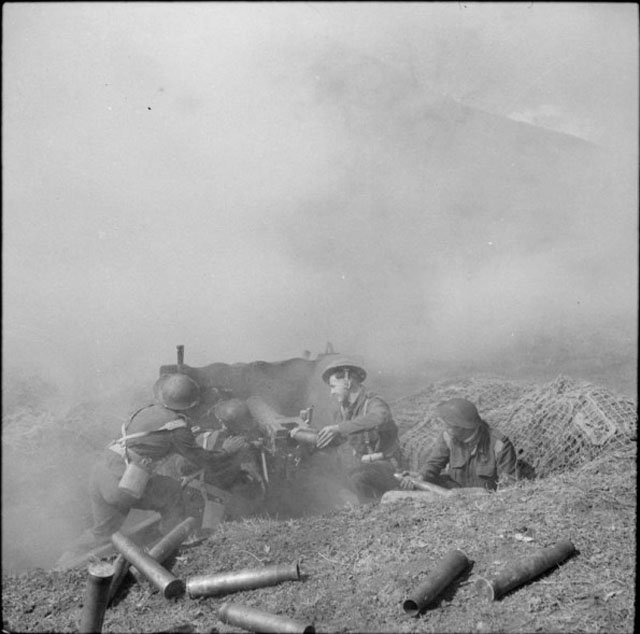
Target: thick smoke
column 438, row 187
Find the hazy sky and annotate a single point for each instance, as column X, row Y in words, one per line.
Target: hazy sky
column 253, row 180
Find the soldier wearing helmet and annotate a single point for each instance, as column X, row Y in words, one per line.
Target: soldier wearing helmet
column 366, row 421
column 240, row 476
column 151, row 434
column 477, row 455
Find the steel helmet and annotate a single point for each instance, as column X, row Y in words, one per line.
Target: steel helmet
column 177, row 391
column 344, row 363
column 459, row 412
column 232, row 411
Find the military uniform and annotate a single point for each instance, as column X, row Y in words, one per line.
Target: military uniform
column 152, row 434
column 467, row 468
column 371, row 432
column 236, row 482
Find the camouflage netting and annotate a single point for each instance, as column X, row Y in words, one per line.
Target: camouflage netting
column 554, row 427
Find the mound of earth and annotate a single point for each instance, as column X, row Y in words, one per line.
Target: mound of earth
column 360, row 563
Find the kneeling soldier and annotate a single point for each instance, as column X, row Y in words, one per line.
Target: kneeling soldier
column 366, row 421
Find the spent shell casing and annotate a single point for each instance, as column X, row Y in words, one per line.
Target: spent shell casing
column 246, row 579
column 520, row 572
column 256, row 620
column 96, row 596
column 452, row 565
column 168, row 585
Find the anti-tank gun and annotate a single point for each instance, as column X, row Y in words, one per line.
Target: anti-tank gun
column 281, row 397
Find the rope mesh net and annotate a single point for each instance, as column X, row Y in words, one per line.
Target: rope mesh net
column 554, row 427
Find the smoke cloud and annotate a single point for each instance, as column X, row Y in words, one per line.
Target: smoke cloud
column 416, row 183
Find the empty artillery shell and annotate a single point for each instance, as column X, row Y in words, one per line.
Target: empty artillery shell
column 96, row 596
column 451, row 566
column 247, row 579
column 520, row 572
column 168, row 544
column 256, row 620
column 120, row 571
column 160, row 577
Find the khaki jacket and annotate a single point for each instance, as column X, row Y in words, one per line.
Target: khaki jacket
column 467, row 468
column 369, row 426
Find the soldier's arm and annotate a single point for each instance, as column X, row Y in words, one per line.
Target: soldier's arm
column 436, row 461
column 185, row 444
column 378, row 416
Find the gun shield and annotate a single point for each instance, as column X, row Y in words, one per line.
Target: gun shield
column 96, row 596
column 256, row 620
column 168, row 544
column 158, row 576
column 450, row 567
column 525, row 570
column 247, row 579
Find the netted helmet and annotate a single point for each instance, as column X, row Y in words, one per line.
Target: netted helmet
column 177, row 391
column 459, row 412
column 233, row 412
column 344, row 363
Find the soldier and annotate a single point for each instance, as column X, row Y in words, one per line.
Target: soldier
column 239, row 478
column 124, row 478
column 366, row 421
column 478, row 456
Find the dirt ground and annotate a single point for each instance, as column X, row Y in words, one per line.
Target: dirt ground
column 360, row 563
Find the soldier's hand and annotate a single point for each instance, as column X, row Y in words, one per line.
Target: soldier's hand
column 406, row 483
column 234, row 444
column 326, row 435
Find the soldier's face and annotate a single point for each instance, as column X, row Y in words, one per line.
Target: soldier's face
column 340, row 389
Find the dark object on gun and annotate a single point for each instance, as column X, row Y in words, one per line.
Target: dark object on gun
column 279, row 454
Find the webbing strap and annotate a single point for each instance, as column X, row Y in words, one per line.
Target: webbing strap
column 173, row 424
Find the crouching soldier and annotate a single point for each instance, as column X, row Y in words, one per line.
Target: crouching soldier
column 235, row 486
column 365, row 420
column 123, row 478
column 477, row 455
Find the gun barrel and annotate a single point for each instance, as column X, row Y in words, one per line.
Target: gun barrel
column 158, row 576
column 96, row 596
column 247, row 579
column 453, row 564
column 520, row 572
column 256, row 620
